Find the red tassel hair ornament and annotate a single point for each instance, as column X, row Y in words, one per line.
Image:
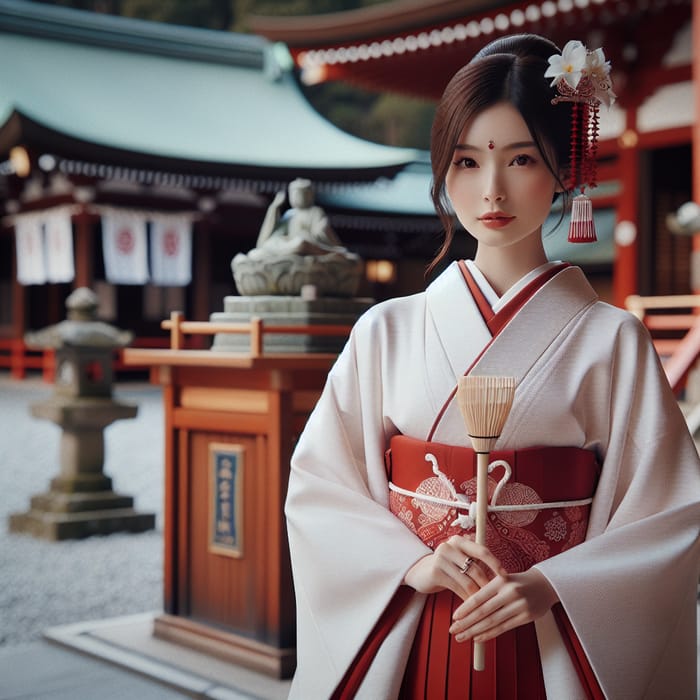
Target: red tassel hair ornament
column 582, row 78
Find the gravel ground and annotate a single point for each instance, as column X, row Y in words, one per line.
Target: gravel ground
column 44, row 584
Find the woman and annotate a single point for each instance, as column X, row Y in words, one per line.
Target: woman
column 587, row 584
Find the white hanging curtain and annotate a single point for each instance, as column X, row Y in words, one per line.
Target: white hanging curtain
column 124, row 247
column 171, row 251
column 58, row 238
column 29, row 245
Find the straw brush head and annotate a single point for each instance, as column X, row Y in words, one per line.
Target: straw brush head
column 485, row 402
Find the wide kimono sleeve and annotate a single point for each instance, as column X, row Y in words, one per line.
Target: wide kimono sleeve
column 349, row 553
column 630, row 589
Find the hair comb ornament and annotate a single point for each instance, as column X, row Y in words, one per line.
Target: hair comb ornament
column 582, row 77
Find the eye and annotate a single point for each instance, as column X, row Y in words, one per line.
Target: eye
column 522, row 159
column 465, row 162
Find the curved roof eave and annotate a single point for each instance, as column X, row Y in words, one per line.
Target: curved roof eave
column 248, row 113
column 85, row 157
column 408, row 193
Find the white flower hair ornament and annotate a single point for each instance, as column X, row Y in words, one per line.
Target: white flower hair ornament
column 582, row 77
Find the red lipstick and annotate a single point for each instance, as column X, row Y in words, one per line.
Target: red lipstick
column 495, row 219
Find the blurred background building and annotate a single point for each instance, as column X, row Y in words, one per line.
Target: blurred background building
column 138, row 157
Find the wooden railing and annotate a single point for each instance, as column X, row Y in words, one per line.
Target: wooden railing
column 676, row 336
column 179, row 328
column 18, row 357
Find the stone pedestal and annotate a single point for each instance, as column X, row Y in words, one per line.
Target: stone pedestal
column 80, row 501
column 288, row 311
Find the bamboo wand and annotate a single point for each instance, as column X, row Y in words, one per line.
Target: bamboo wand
column 485, row 403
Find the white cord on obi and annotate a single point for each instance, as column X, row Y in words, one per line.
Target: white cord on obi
column 461, row 502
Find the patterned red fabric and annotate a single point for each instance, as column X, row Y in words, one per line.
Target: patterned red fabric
column 438, row 666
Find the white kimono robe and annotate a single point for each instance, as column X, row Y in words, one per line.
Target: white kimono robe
column 588, row 377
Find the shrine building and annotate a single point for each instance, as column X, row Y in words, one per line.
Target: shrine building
column 165, row 144
column 137, row 158
column 649, row 139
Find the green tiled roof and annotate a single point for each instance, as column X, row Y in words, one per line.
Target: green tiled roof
column 168, row 92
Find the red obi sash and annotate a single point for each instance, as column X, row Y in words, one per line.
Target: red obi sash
column 519, row 538
column 438, row 666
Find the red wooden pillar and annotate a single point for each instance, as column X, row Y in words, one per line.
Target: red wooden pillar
column 84, row 250
column 19, row 321
column 201, row 293
column 625, row 270
column 201, row 301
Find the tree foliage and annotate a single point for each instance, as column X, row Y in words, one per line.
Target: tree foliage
column 386, row 118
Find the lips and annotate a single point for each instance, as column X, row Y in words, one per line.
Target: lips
column 495, row 219
column 495, row 216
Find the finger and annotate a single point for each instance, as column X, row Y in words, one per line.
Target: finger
column 482, row 624
column 466, row 545
column 484, row 555
column 477, row 574
column 501, row 621
column 478, row 600
column 465, row 585
column 480, row 619
column 498, row 629
column 503, row 610
column 469, row 568
column 467, row 571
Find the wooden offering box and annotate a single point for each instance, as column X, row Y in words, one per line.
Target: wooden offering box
column 231, row 422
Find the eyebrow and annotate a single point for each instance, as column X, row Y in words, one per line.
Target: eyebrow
column 510, row 146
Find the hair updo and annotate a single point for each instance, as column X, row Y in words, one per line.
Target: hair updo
column 510, row 69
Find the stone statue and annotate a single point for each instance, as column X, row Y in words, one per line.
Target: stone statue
column 302, row 230
column 296, row 249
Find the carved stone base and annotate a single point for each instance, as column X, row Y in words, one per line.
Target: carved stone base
column 332, row 274
column 288, row 310
column 80, row 501
column 59, row 516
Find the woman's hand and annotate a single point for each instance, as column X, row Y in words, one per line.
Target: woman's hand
column 505, row 602
column 442, row 570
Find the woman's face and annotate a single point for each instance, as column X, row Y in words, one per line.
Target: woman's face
column 499, row 184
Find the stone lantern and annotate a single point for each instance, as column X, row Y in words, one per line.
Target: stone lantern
column 80, row 501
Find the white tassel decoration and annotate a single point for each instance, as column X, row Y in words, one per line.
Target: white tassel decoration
column 582, row 227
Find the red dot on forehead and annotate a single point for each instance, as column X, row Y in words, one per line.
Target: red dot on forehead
column 491, row 145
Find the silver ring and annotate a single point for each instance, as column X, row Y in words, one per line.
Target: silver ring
column 465, row 567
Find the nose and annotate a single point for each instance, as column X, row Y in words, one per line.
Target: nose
column 493, row 186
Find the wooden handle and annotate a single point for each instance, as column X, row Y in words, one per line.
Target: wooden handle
column 482, row 502
column 482, row 495
column 479, row 656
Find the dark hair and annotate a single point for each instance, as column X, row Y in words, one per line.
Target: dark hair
column 510, row 69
